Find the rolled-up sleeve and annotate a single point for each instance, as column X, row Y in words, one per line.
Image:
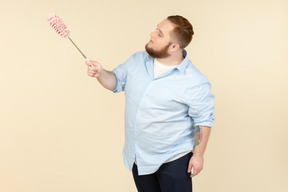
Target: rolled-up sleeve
column 120, row 73
column 201, row 105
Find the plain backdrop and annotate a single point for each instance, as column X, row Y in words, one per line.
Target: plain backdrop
column 60, row 131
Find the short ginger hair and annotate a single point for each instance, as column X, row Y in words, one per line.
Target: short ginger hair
column 183, row 30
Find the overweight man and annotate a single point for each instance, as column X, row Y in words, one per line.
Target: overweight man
column 168, row 112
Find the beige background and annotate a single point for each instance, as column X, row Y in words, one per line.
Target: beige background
column 60, row 131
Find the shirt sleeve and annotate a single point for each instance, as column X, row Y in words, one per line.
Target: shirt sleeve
column 201, row 105
column 120, row 73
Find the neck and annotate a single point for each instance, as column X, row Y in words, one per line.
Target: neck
column 172, row 60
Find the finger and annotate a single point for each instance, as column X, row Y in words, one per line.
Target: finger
column 194, row 173
column 87, row 60
column 90, row 68
column 91, row 72
column 189, row 167
column 90, row 63
column 93, row 69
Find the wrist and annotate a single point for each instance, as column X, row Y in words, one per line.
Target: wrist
column 197, row 156
column 198, row 153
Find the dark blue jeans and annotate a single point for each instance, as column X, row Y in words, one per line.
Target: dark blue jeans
column 170, row 177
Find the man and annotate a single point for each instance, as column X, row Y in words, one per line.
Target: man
column 168, row 112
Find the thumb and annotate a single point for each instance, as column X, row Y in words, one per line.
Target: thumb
column 87, row 60
column 190, row 167
column 89, row 63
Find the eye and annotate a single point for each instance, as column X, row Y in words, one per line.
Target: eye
column 158, row 33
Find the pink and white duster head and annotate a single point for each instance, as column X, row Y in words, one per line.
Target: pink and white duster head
column 59, row 26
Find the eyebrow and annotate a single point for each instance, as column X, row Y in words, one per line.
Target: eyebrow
column 160, row 30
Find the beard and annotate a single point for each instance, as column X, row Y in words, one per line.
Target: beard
column 163, row 53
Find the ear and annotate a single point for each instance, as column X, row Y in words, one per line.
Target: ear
column 175, row 47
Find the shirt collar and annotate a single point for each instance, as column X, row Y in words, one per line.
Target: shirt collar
column 181, row 67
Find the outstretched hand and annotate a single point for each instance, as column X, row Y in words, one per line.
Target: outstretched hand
column 94, row 68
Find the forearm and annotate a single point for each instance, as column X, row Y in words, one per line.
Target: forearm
column 107, row 79
column 201, row 140
column 197, row 160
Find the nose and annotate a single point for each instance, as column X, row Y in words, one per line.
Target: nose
column 152, row 34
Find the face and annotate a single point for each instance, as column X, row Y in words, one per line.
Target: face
column 160, row 42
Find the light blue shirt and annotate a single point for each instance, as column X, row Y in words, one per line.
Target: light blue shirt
column 160, row 112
